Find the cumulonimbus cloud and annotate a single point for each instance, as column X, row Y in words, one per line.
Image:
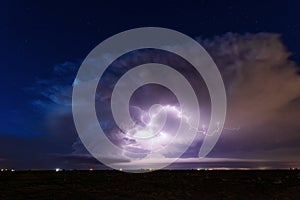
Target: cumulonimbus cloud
column 262, row 85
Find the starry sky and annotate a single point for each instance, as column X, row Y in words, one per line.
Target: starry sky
column 254, row 43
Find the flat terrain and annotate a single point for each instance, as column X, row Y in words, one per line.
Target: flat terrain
column 275, row 184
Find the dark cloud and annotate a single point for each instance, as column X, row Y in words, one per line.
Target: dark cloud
column 83, row 160
column 31, row 152
column 77, row 161
column 263, row 91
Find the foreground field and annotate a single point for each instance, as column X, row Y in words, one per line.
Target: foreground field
column 283, row 184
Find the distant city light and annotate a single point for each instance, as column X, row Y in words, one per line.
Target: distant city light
column 57, row 169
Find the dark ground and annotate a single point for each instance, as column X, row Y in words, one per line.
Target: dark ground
column 275, row 184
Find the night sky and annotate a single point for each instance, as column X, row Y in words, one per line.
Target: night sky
column 254, row 44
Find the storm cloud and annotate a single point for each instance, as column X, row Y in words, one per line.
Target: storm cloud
column 262, row 85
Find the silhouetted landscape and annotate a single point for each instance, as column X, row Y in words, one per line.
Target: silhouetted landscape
column 168, row 184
